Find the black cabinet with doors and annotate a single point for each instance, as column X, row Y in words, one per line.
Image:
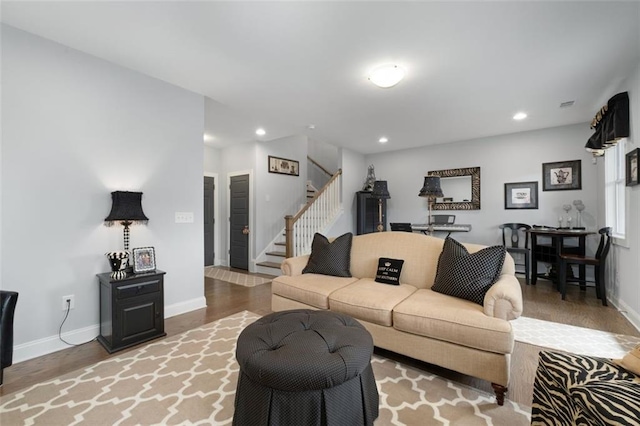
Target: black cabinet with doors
column 131, row 309
column 367, row 213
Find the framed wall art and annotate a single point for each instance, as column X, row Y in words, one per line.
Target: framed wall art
column 632, row 167
column 284, row 166
column 144, row 260
column 521, row 195
column 562, row 175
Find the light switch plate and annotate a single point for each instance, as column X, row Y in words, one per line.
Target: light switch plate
column 184, row 217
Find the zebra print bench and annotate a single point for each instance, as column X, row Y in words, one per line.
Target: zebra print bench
column 574, row 389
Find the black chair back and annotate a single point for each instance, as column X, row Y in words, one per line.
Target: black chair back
column 401, row 226
column 8, row 300
column 515, row 234
column 605, row 244
column 443, row 219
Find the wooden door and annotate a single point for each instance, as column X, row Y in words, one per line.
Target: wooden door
column 239, row 222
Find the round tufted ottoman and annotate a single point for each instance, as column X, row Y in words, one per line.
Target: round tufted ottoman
column 305, row 367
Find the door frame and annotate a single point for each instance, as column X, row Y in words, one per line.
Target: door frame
column 252, row 263
column 216, row 217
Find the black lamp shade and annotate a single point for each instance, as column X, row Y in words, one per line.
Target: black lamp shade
column 380, row 190
column 126, row 207
column 431, row 187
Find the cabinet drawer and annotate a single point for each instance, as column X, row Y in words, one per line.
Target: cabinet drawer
column 137, row 289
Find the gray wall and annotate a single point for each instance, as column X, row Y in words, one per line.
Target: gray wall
column 624, row 287
column 278, row 195
column 75, row 128
column 354, row 172
column 510, row 158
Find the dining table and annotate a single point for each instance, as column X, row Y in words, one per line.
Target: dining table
column 547, row 244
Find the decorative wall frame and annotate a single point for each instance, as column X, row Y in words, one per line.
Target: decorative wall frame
column 474, row 204
column 562, row 175
column 284, row 166
column 144, row 260
column 521, row 195
column 632, row 167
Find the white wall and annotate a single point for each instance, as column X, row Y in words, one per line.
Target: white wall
column 624, row 288
column 327, row 156
column 74, row 129
column 212, row 158
column 502, row 159
column 354, row 172
column 277, row 195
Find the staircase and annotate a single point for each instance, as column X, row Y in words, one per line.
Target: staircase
column 317, row 215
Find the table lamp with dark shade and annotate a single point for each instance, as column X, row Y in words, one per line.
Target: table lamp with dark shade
column 380, row 192
column 431, row 190
column 126, row 209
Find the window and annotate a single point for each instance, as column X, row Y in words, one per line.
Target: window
column 614, row 188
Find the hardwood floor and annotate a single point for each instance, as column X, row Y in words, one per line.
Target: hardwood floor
column 223, row 299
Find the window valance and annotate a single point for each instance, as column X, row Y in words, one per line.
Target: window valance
column 611, row 124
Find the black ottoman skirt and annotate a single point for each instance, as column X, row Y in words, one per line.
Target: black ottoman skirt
column 305, row 367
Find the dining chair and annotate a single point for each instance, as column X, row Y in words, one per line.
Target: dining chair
column 443, row 219
column 513, row 232
column 8, row 300
column 598, row 263
column 401, row 226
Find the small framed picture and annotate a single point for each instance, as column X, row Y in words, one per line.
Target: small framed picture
column 283, row 166
column 632, row 167
column 521, row 195
column 562, row 175
column 144, row 260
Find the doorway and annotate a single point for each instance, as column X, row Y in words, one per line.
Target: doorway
column 209, row 220
column 239, row 221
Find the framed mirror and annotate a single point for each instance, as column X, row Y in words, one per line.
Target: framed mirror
column 461, row 189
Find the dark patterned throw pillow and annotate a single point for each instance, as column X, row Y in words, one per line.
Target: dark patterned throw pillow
column 467, row 276
column 389, row 270
column 330, row 258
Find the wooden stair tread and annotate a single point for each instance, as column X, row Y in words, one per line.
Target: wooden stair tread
column 269, row 264
column 280, row 244
column 276, row 253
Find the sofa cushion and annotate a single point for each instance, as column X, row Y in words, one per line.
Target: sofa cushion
column 431, row 314
column 311, row 289
column 389, row 270
column 369, row 301
column 330, row 258
column 467, row 276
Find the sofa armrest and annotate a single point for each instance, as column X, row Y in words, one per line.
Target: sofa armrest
column 294, row 265
column 504, row 298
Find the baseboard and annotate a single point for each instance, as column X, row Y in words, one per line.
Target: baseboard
column 629, row 314
column 52, row 344
column 184, row 307
column 47, row 345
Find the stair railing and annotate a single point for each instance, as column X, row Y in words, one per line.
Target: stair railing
column 313, row 217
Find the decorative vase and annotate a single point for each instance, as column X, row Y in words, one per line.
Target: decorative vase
column 119, row 261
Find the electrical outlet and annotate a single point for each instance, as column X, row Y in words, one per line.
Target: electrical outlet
column 71, row 299
column 184, row 217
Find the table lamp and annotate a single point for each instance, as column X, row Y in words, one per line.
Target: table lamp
column 126, row 209
column 380, row 192
column 431, row 190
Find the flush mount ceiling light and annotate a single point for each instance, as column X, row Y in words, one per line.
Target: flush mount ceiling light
column 520, row 116
column 387, row 75
column 261, row 132
column 383, row 140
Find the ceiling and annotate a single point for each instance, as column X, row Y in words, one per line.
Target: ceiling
column 286, row 65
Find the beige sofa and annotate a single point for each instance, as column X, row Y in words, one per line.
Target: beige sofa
column 410, row 318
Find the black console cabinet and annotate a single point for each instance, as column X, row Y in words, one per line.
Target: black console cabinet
column 368, row 213
column 131, row 309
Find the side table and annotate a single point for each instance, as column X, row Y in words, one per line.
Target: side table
column 131, row 309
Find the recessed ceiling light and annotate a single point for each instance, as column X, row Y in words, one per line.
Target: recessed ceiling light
column 261, row 132
column 311, row 126
column 383, row 140
column 207, row 138
column 520, row 116
column 387, row 75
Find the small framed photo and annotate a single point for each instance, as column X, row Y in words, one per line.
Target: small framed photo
column 632, row 167
column 283, row 166
column 521, row 195
column 562, row 175
column 144, row 260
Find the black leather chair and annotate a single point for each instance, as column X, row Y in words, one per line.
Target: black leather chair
column 598, row 263
column 443, row 219
column 515, row 230
column 8, row 300
column 401, row 226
